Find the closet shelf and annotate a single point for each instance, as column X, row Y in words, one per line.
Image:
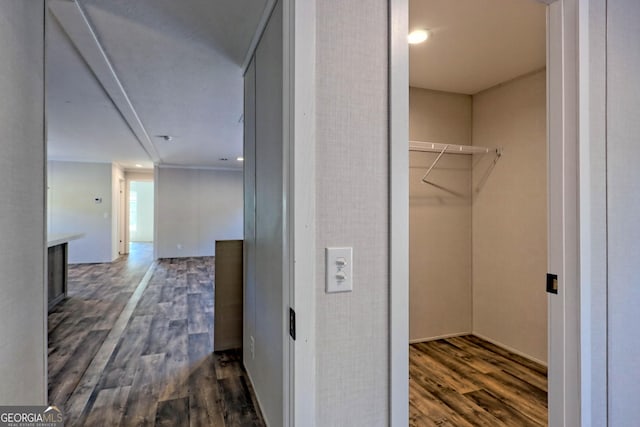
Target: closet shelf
column 436, row 147
column 450, row 149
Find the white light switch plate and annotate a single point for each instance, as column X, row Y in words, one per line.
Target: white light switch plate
column 339, row 269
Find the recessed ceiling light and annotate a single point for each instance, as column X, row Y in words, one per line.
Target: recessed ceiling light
column 138, row 165
column 240, row 159
column 418, row 36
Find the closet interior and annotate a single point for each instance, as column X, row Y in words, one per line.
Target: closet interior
column 478, row 213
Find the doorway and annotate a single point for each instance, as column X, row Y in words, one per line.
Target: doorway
column 563, row 227
column 478, row 211
column 140, row 214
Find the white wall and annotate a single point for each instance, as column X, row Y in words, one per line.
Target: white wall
column 22, row 211
column 144, row 211
column 73, row 187
column 510, row 216
column 623, row 207
column 194, row 208
column 352, row 204
column 439, row 220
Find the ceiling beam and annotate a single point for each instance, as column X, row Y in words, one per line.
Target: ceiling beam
column 75, row 23
column 257, row 35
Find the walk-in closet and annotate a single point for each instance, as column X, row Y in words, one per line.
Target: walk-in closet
column 478, row 213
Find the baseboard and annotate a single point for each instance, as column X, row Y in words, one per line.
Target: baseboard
column 253, row 386
column 510, row 349
column 439, row 337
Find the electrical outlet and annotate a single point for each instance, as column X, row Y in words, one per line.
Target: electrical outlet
column 252, row 347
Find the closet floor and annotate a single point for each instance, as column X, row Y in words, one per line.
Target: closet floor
column 467, row 381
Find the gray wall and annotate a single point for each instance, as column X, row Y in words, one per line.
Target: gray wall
column 22, row 211
column 73, row 187
column 264, row 280
column 352, row 200
column 439, row 219
column 194, row 208
column 623, row 208
column 510, row 216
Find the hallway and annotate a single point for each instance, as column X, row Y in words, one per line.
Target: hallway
column 162, row 370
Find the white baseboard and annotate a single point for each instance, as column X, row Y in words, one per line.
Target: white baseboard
column 510, row 349
column 439, row 337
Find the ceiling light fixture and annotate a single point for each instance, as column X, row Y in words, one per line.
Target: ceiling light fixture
column 240, row 159
column 418, row 36
column 138, row 165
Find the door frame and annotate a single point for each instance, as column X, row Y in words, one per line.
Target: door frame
column 122, row 217
column 564, row 233
column 299, row 96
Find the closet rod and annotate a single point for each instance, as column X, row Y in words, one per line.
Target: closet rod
column 436, row 147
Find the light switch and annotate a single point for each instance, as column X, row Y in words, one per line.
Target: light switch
column 339, row 269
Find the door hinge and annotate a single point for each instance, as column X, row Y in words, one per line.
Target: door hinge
column 552, row 283
column 292, row 323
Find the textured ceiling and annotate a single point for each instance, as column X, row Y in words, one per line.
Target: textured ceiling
column 475, row 44
column 179, row 63
column 82, row 122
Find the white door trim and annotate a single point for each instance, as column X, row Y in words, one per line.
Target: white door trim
column 122, row 217
column 564, row 313
column 399, row 213
column 593, row 212
column 299, row 55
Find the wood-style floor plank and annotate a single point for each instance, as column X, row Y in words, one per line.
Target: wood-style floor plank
column 239, row 410
column 441, row 372
column 459, row 403
column 525, row 373
column 67, row 379
column 517, row 394
column 109, row 407
column 97, row 294
column 145, row 389
column 467, row 381
column 205, row 406
column 162, row 370
column 497, row 408
column 432, row 411
column 509, row 355
column 173, row 413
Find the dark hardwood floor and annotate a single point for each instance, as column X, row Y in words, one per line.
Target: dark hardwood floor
column 467, row 381
column 162, row 370
column 78, row 326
